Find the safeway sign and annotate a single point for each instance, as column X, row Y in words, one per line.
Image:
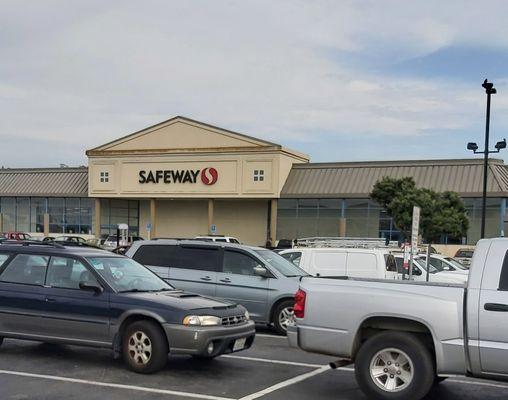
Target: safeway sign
column 414, row 230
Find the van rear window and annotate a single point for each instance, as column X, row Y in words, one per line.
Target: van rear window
column 156, row 255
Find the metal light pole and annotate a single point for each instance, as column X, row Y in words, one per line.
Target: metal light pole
column 489, row 90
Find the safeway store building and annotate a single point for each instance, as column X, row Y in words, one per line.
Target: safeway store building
column 183, row 178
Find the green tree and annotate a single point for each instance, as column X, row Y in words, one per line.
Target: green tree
column 441, row 212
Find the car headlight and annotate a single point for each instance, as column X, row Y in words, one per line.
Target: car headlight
column 202, row 320
column 247, row 315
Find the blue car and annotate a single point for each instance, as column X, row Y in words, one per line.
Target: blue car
column 85, row 296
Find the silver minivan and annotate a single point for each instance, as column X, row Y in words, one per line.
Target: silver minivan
column 257, row 278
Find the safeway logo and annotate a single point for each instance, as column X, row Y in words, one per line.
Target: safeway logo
column 209, row 176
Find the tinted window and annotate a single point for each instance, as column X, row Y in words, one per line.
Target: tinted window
column 391, row 265
column 503, row 281
column 400, row 264
column 238, row 263
column 234, row 241
column 202, row 258
column 221, row 240
column 67, row 273
column 27, row 269
column 156, row 255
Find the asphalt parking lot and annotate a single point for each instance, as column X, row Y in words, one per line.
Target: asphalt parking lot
column 269, row 370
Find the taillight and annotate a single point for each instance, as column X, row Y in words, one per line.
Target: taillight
column 299, row 308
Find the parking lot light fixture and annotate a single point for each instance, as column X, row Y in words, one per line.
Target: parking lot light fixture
column 489, row 90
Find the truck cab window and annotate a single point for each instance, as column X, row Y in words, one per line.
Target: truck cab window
column 503, row 281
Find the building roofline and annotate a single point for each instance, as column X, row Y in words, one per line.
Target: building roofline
column 42, row 170
column 398, row 163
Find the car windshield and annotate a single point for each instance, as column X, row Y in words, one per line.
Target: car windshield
column 465, row 253
column 126, row 275
column 455, row 263
column 282, row 265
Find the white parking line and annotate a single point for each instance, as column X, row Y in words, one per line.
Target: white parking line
column 297, row 364
column 286, row 383
column 115, row 385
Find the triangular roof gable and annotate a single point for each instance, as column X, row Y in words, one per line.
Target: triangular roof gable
column 180, row 133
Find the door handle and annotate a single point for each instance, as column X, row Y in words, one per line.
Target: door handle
column 496, row 307
column 227, row 280
column 50, row 300
column 206, row 278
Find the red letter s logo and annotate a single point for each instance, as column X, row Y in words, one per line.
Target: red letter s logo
column 209, row 176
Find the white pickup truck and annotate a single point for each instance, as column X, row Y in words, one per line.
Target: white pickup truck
column 402, row 336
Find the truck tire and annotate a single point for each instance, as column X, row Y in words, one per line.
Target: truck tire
column 394, row 366
column 144, row 347
column 281, row 316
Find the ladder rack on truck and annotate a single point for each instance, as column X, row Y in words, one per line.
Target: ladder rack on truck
column 366, row 243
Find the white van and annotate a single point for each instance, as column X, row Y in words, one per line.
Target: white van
column 353, row 262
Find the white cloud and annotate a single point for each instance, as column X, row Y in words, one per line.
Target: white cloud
column 93, row 71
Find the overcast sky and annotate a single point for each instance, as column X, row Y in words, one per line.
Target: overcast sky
column 338, row 80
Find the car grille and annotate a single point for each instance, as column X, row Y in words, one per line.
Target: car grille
column 234, row 320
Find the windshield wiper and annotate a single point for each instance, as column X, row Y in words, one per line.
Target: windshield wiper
column 146, row 290
column 134, row 291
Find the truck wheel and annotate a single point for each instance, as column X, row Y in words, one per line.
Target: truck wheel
column 145, row 348
column 394, row 366
column 282, row 316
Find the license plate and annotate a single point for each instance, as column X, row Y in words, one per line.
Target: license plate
column 239, row 344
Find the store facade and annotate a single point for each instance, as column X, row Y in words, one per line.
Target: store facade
column 183, row 178
column 190, row 178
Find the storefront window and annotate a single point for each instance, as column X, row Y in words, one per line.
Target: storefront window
column 72, row 214
column 86, row 216
column 23, row 214
column 114, row 212
column 56, row 214
column 8, row 209
column 37, row 211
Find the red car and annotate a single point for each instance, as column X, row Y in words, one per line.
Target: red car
column 15, row 236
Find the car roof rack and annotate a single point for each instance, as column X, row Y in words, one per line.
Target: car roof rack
column 347, row 242
column 32, row 243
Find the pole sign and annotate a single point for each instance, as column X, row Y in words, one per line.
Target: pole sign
column 414, row 230
column 213, row 229
column 148, row 226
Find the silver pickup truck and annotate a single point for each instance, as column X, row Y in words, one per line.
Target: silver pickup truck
column 403, row 337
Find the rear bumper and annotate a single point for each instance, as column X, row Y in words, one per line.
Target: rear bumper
column 292, row 334
column 195, row 340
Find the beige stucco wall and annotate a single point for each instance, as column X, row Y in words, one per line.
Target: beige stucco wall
column 244, row 219
column 235, row 175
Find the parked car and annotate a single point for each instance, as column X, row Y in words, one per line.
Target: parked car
column 446, row 264
column 218, row 238
column 111, row 242
column 464, row 256
column 90, row 297
column 70, row 239
column 354, row 262
column 259, row 279
column 16, row 236
column 404, row 336
column 435, row 274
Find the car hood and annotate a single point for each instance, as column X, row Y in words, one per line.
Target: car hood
column 179, row 299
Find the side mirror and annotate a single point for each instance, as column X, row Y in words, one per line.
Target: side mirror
column 262, row 272
column 91, row 287
column 446, row 268
column 416, row 271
